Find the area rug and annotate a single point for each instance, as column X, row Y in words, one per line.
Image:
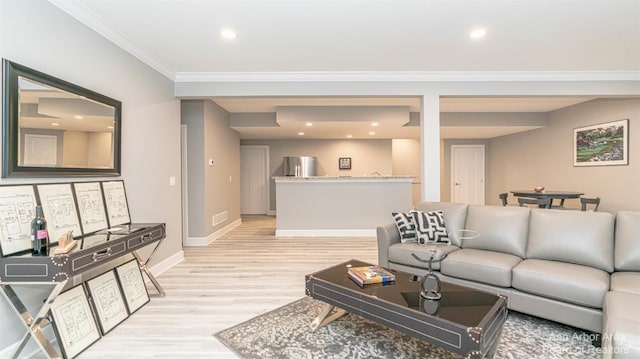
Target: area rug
column 284, row 333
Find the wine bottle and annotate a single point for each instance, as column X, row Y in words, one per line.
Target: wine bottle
column 39, row 234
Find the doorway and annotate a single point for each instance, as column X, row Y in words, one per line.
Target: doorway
column 467, row 174
column 254, row 179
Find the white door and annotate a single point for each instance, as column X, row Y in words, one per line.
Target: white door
column 40, row 150
column 254, row 180
column 467, row 174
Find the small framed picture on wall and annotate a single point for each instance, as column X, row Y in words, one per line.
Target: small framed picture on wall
column 344, row 163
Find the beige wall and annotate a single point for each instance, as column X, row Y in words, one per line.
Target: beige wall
column 545, row 157
column 405, row 155
column 37, row 34
column 100, row 149
column 222, row 180
column 215, row 189
column 75, row 149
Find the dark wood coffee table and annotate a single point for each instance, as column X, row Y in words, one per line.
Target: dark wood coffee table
column 465, row 321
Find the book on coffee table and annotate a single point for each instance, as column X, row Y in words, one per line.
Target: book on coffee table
column 370, row 275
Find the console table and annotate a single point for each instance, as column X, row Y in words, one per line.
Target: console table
column 92, row 251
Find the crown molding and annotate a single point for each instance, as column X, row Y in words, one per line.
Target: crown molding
column 83, row 14
column 408, row 76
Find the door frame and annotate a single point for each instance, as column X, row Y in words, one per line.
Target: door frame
column 452, row 171
column 267, row 181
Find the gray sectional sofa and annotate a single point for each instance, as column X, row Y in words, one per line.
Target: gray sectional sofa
column 577, row 268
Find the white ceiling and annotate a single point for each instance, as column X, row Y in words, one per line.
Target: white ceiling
column 181, row 39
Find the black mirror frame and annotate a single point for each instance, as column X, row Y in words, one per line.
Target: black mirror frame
column 10, row 104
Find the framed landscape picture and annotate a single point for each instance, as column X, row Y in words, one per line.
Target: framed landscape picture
column 605, row 144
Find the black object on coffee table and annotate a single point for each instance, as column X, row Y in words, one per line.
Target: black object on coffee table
column 465, row 321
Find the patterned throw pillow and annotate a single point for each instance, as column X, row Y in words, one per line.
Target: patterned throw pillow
column 430, row 227
column 406, row 227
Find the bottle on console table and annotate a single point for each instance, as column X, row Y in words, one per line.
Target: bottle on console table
column 39, row 234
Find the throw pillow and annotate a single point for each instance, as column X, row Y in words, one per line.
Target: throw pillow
column 406, row 227
column 430, row 227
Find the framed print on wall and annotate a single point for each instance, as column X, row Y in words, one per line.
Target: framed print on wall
column 73, row 322
column 107, row 301
column 17, row 209
column 93, row 216
column 132, row 284
column 344, row 163
column 606, row 144
column 59, row 210
column 115, row 199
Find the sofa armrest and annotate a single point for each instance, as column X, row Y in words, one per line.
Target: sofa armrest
column 387, row 235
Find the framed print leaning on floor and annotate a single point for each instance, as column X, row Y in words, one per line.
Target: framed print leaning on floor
column 605, row 144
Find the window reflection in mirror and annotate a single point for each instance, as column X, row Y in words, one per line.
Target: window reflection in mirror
column 62, row 129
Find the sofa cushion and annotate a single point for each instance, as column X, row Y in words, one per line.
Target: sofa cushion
column 406, row 227
column 500, row 229
column 627, row 249
column 401, row 253
column 480, row 266
column 455, row 215
column 430, row 227
column 626, row 282
column 566, row 282
column 621, row 326
column 577, row 237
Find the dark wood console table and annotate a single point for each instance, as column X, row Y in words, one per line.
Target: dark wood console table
column 92, row 251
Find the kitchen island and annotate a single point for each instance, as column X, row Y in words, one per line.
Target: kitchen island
column 326, row 206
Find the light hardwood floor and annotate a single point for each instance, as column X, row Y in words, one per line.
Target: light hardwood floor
column 239, row 276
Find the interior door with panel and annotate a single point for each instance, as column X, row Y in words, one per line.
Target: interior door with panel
column 254, row 182
column 467, row 174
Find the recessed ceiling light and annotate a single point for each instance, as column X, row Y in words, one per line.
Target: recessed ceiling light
column 55, row 124
column 228, row 34
column 349, row 136
column 78, row 117
column 374, row 124
column 478, row 33
column 300, row 133
column 372, row 133
column 308, row 124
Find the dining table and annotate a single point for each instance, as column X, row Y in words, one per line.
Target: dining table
column 553, row 195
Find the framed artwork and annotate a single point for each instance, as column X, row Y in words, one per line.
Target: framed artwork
column 344, row 163
column 17, row 209
column 115, row 199
column 605, row 144
column 73, row 322
column 93, row 216
column 132, row 284
column 59, row 210
column 107, row 300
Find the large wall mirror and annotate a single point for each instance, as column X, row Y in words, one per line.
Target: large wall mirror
column 54, row 128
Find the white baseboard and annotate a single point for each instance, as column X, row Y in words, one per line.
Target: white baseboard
column 167, row 263
column 271, row 212
column 204, row 241
column 325, row 232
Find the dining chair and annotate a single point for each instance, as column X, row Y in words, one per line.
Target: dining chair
column 503, row 198
column 539, row 202
column 587, row 201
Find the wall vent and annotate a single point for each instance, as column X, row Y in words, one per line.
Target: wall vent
column 219, row 218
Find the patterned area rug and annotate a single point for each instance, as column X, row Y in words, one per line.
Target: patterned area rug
column 285, row 333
